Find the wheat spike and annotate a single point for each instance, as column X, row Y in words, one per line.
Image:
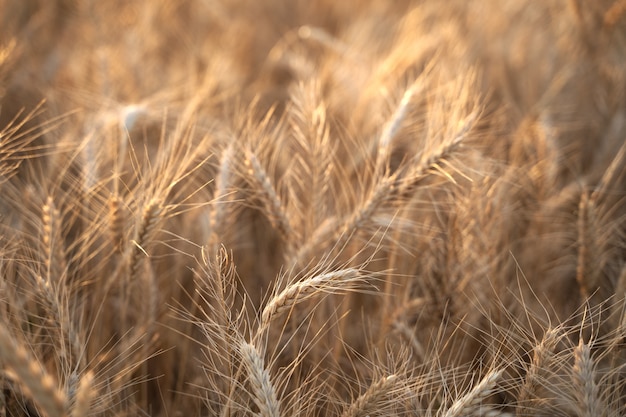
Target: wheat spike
column 54, row 252
column 274, row 207
column 36, row 382
column 150, row 218
column 583, row 375
column 264, row 393
column 588, row 267
column 371, row 398
column 328, row 282
column 472, row 401
column 84, row 396
column 541, row 361
column 117, row 223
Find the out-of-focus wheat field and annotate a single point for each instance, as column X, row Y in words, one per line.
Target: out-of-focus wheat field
column 312, row 208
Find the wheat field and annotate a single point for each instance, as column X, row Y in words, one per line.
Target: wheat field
column 312, row 208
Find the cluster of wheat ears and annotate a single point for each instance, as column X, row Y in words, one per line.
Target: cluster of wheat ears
column 312, row 208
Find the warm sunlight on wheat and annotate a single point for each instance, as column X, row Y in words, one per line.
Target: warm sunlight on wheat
column 322, row 208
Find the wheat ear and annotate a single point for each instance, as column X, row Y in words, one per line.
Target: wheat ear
column 274, row 207
column 223, row 180
column 541, row 360
column 117, row 222
column 583, row 375
column 150, row 218
column 587, row 268
column 392, row 127
column 472, row 401
column 54, row 252
column 401, row 182
column 84, row 396
column 69, row 339
column 372, row 397
column 264, row 393
column 328, row 282
column 35, row 381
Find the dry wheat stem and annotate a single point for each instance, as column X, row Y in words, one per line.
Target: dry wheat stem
column 264, row 393
column 36, row 382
